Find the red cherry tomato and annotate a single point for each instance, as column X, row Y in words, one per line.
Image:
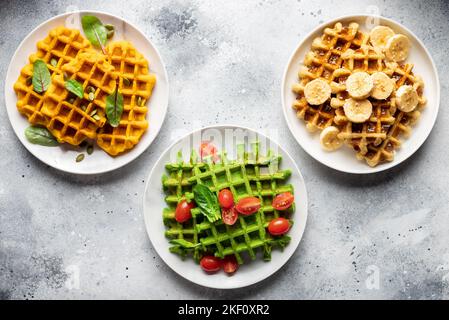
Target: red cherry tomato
column 283, row 201
column 278, row 226
column 208, row 149
column 226, row 198
column 182, row 213
column 229, row 216
column 249, row 205
column 230, row 264
column 210, row 264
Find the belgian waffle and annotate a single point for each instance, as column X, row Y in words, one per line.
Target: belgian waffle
column 364, row 59
column 324, row 61
column 74, row 121
column 251, row 174
column 61, row 45
column 403, row 75
column 367, row 58
column 344, row 52
column 373, row 131
column 135, row 84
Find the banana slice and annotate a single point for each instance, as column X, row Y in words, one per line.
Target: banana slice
column 380, row 35
column 383, row 86
column 317, row 92
column 406, row 98
column 398, row 48
column 329, row 139
column 359, row 85
column 358, row 111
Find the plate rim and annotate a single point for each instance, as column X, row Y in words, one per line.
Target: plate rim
column 146, row 219
column 165, row 103
column 381, row 167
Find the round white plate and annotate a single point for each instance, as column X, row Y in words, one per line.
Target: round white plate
column 344, row 159
column 63, row 157
column 154, row 203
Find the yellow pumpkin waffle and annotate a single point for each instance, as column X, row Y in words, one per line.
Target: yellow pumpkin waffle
column 324, row 62
column 60, row 46
column 135, row 84
column 404, row 121
column 72, row 119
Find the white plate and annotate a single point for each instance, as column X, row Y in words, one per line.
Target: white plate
column 344, row 159
column 63, row 158
column 154, row 203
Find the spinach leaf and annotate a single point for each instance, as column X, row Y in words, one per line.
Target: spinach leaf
column 94, row 30
column 114, row 108
column 75, row 87
column 40, row 136
column 41, row 76
column 207, row 201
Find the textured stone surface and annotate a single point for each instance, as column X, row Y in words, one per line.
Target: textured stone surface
column 227, row 58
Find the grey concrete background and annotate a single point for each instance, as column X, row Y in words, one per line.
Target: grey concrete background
column 225, row 62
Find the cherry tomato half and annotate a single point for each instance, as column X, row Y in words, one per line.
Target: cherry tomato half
column 230, row 264
column 208, row 149
column 278, row 226
column 229, row 216
column 182, row 213
column 283, row 201
column 249, row 205
column 210, row 264
column 226, row 198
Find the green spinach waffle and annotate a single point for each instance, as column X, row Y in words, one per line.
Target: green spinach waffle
column 249, row 175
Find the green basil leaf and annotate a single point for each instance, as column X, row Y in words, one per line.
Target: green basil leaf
column 40, row 136
column 75, row 87
column 207, row 201
column 94, row 30
column 114, row 108
column 184, row 243
column 41, row 76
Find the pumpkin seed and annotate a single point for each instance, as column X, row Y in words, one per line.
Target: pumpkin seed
column 91, row 96
column 110, row 30
column 90, row 149
column 83, row 107
column 110, row 34
column 80, row 157
column 29, row 81
column 126, row 82
column 93, row 112
column 71, row 100
column 54, row 62
column 96, row 117
column 90, row 89
column 66, row 76
column 139, row 101
column 109, row 26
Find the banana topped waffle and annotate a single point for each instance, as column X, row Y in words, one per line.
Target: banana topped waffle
column 323, row 63
column 136, row 84
column 60, row 46
column 367, row 58
column 72, row 119
column 250, row 175
column 365, row 96
column 403, row 121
